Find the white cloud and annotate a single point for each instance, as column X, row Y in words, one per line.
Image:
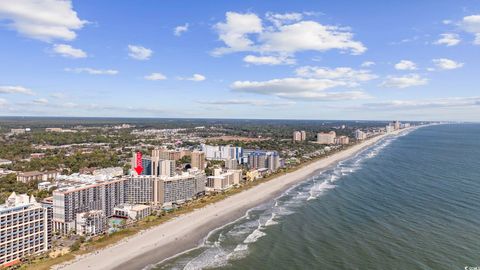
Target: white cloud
column 268, row 60
column 3, row 102
column 299, row 88
column 425, row 103
column 447, row 22
column 346, row 74
column 195, row 77
column 139, row 53
column 93, row 71
column 246, row 33
column 309, row 36
column 448, row 39
column 477, row 39
column 234, row 32
column 68, row 51
column 367, row 64
column 45, row 20
column 10, row 89
column 40, row 101
column 444, row 63
column 471, row 24
column 179, row 30
column 404, row 81
column 405, row 65
column 279, row 19
column 155, row 77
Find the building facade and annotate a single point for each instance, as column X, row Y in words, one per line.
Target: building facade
column 100, row 195
column 91, row 223
column 25, row 228
column 26, row 177
column 326, row 138
column 360, row 135
column 198, row 160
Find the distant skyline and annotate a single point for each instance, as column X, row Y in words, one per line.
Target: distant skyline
column 364, row 60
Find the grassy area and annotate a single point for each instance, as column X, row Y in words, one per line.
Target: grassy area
column 107, row 240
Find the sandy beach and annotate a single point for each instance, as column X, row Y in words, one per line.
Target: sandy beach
column 188, row 230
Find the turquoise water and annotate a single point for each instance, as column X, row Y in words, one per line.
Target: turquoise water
column 410, row 202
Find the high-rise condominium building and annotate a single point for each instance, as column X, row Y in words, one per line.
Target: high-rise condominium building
column 215, row 152
column 163, row 153
column 100, row 195
column 198, row 160
column 342, row 140
column 326, row 138
column 258, row 159
column 360, row 135
column 179, row 188
column 396, row 125
column 299, row 136
column 24, row 229
column 154, row 166
column 221, row 180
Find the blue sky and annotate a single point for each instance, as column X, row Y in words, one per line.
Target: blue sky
column 411, row 60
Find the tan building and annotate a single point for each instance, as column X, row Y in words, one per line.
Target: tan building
column 299, row 136
column 326, row 138
column 163, row 153
column 342, row 140
column 26, row 177
column 198, row 160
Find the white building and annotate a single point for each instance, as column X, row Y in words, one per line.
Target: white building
column 360, row 135
column 24, row 228
column 221, row 181
column 216, row 152
column 132, row 211
column 5, row 162
column 389, row 128
column 91, row 223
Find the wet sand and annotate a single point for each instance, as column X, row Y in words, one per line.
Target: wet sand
column 188, row 231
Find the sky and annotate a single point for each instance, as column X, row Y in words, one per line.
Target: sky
column 345, row 60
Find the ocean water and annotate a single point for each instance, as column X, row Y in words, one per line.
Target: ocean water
column 409, row 202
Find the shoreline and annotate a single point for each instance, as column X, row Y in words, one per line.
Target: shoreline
column 189, row 230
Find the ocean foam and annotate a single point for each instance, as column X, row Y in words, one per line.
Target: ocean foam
column 232, row 241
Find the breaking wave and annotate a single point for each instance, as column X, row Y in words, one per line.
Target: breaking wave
column 233, row 241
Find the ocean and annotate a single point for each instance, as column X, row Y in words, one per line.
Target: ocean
column 407, row 202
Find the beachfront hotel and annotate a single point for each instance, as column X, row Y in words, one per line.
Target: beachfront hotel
column 326, row 138
column 98, row 195
column 260, row 159
column 342, row 140
column 179, row 188
column 105, row 195
column 24, row 228
column 360, row 135
column 221, row 181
